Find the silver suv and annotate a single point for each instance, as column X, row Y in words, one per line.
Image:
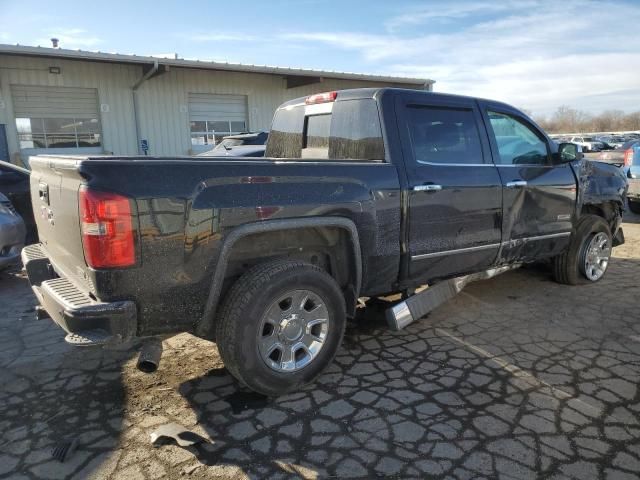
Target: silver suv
column 12, row 233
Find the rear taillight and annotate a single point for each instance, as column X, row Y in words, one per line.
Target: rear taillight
column 628, row 157
column 321, row 98
column 107, row 230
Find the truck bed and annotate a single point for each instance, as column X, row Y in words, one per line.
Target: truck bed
column 184, row 207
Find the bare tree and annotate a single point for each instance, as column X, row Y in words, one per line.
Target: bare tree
column 569, row 120
column 608, row 120
column 632, row 121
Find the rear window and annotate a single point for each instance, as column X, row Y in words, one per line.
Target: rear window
column 316, row 141
column 444, row 135
column 350, row 131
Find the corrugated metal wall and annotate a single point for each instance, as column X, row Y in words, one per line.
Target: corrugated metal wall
column 163, row 100
column 113, row 82
column 61, row 102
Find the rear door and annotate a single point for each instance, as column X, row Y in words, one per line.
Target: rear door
column 455, row 192
column 539, row 195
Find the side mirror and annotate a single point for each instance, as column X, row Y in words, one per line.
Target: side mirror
column 569, row 152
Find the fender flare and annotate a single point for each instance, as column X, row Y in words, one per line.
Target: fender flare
column 204, row 325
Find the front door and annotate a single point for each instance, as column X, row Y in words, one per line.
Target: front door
column 539, row 195
column 455, row 192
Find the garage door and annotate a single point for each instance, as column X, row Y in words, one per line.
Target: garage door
column 215, row 116
column 56, row 117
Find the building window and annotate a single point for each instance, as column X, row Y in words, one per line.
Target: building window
column 210, row 132
column 58, row 132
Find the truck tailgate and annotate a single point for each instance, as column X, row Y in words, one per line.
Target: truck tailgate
column 54, row 194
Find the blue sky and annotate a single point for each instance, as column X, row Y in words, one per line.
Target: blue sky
column 536, row 54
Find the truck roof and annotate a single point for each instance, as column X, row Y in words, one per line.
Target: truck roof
column 361, row 93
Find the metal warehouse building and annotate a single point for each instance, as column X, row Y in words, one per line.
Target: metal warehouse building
column 68, row 101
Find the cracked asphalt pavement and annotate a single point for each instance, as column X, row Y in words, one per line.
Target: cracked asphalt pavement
column 517, row 377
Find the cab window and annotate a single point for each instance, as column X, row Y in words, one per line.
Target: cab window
column 444, row 135
column 518, row 143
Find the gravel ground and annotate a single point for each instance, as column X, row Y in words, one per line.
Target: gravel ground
column 517, row 377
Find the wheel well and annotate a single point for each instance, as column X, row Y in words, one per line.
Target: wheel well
column 329, row 247
column 610, row 211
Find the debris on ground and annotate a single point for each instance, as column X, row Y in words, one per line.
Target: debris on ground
column 190, row 469
column 64, row 449
column 181, row 435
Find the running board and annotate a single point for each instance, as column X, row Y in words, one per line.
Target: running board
column 418, row 305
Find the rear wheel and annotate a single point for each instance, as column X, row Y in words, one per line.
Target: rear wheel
column 587, row 258
column 280, row 325
column 634, row 206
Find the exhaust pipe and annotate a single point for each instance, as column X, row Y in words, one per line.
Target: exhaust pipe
column 149, row 358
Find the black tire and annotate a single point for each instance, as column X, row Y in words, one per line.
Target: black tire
column 568, row 267
column 241, row 317
column 634, row 206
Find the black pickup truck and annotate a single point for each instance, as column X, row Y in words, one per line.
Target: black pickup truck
column 362, row 193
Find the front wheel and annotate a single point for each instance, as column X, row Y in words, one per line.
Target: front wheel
column 280, row 325
column 589, row 253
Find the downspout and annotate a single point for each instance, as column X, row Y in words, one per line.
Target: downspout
column 134, row 90
column 428, row 86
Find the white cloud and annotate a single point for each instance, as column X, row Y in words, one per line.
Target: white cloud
column 218, row 37
column 72, row 38
column 574, row 52
column 445, row 11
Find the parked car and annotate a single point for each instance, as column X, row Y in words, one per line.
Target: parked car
column 362, row 193
column 622, row 156
column 14, row 184
column 605, row 145
column 12, row 233
column 632, row 170
column 612, row 142
column 588, row 144
column 241, row 145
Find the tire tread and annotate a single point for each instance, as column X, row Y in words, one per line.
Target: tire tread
column 237, row 300
column 566, row 268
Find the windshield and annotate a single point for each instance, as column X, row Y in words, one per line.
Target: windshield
column 227, row 142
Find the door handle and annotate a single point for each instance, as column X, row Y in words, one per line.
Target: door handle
column 516, row 184
column 43, row 192
column 427, row 188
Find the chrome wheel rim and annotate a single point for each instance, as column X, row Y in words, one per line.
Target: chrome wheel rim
column 293, row 331
column 596, row 258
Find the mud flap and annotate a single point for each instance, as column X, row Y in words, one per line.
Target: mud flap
column 618, row 238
